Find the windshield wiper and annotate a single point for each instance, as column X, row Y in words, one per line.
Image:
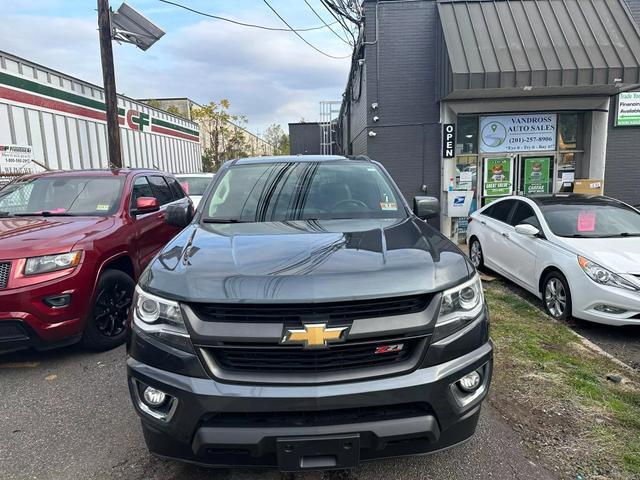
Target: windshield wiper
column 45, row 213
column 223, row 220
column 5, row 214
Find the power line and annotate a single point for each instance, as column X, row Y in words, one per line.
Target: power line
column 236, row 22
column 300, row 36
column 322, row 20
column 339, row 19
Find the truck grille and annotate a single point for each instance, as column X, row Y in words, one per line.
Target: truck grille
column 341, row 357
column 315, row 418
column 293, row 312
column 5, row 268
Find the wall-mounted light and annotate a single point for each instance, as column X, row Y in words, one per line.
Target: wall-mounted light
column 361, row 62
column 376, row 118
column 527, row 88
column 374, row 106
column 372, row 134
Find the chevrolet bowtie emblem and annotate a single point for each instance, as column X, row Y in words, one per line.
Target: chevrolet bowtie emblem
column 314, row 335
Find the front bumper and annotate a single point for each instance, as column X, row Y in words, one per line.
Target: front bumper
column 26, row 321
column 191, row 433
column 587, row 295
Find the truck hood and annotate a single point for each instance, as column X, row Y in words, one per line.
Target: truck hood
column 22, row 237
column 620, row 255
column 305, row 261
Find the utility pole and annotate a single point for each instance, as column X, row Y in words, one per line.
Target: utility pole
column 109, row 79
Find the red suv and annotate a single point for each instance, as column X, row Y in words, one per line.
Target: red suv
column 72, row 245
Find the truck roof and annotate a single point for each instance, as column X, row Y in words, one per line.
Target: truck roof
column 295, row 159
column 98, row 172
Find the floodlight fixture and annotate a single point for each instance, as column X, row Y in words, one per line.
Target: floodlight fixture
column 130, row 26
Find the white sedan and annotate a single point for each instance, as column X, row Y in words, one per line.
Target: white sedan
column 194, row 185
column 579, row 254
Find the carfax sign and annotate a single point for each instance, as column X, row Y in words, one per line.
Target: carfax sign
column 536, row 175
column 498, row 176
column 535, row 132
column 628, row 112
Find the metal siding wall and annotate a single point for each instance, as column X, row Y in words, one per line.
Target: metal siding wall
column 621, row 177
column 408, row 133
column 65, row 141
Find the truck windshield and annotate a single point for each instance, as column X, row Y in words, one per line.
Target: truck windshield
column 274, row 192
column 68, row 196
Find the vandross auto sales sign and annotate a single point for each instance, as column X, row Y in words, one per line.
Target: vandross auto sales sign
column 535, row 132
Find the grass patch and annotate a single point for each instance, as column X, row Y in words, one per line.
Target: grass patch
column 556, row 390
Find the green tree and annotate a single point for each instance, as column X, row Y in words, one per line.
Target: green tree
column 223, row 139
column 276, row 136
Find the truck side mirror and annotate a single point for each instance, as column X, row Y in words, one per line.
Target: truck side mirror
column 426, row 207
column 179, row 215
column 146, row 205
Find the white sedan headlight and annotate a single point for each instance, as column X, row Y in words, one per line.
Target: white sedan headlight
column 460, row 306
column 160, row 318
column 52, row 263
column 603, row 276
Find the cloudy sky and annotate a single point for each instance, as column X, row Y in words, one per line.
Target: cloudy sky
column 271, row 77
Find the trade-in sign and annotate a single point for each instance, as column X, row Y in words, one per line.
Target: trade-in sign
column 536, row 175
column 628, row 111
column 498, row 176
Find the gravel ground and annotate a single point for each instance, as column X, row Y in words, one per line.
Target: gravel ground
column 67, row 414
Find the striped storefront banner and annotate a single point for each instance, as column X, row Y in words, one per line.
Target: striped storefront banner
column 28, row 92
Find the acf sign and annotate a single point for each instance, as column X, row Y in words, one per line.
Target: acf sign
column 137, row 120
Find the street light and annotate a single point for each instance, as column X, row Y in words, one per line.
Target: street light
column 128, row 26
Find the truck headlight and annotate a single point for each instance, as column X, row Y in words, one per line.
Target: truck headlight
column 603, row 276
column 52, row 263
column 160, row 318
column 460, row 306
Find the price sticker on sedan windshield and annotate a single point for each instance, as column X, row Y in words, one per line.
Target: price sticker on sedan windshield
column 586, row 221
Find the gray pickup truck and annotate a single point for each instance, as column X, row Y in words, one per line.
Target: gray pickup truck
column 307, row 318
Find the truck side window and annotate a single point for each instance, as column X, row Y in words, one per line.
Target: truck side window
column 175, row 187
column 161, row 189
column 141, row 188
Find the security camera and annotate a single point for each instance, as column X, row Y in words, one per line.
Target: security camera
column 374, row 106
column 372, row 134
column 376, row 118
column 361, row 62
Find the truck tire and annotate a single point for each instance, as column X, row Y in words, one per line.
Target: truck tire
column 106, row 326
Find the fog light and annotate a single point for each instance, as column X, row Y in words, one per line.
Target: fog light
column 57, row 301
column 470, row 382
column 154, row 397
column 609, row 309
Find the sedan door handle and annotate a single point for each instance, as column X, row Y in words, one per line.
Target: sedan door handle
column 506, row 235
column 482, row 222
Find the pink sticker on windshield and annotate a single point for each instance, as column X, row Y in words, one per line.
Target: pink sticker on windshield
column 185, row 187
column 586, row 221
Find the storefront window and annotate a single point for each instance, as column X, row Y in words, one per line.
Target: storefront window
column 467, row 134
column 570, row 131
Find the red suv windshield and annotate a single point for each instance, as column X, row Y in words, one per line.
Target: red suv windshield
column 74, row 196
